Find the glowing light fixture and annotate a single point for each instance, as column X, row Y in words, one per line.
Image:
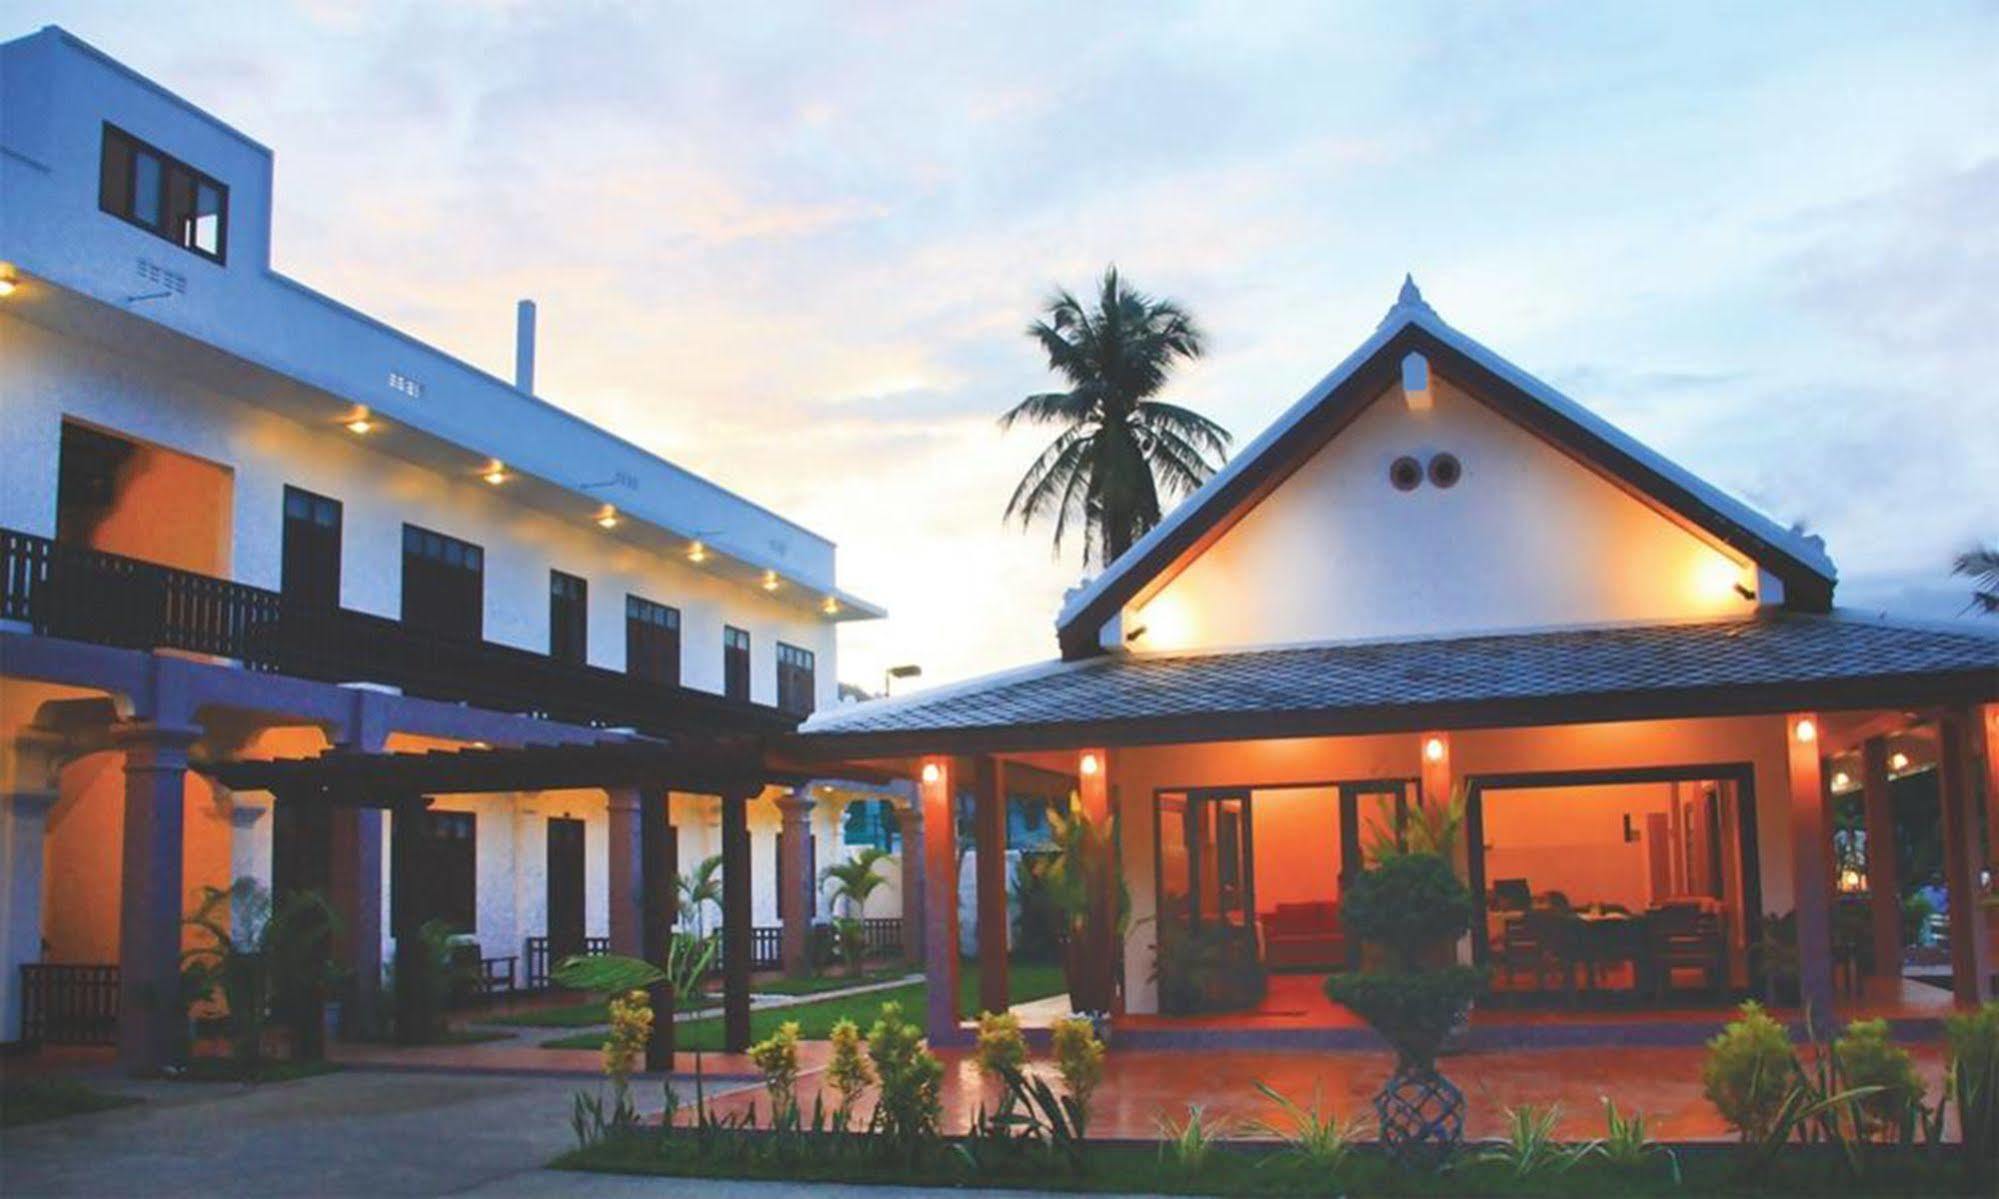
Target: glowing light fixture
column 608, row 518
column 360, row 425
column 1841, row 780
column 1089, row 765
column 697, row 553
column 1898, row 761
column 930, row 773
column 496, row 474
column 1807, row 731
column 1850, row 880
column 831, row 607
column 1433, row 749
column 770, row 582
column 1720, row 578
column 7, row 286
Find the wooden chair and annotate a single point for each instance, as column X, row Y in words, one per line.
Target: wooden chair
column 1686, row 938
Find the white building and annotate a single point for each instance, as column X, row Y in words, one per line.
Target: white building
column 240, row 520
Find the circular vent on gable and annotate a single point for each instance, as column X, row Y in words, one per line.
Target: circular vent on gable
column 1446, row 470
column 1405, row 473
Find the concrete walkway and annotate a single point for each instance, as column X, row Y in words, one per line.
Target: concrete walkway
column 358, row 1133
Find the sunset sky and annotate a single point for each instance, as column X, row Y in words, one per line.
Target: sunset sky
column 793, row 247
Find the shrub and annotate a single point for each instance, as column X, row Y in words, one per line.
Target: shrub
column 1530, row 1145
column 848, row 1071
column 1406, row 904
column 1079, row 1055
column 1627, row 1146
column 1867, row 1058
column 1972, row 1042
column 1413, row 1010
column 776, row 1057
column 1001, row 1047
column 1316, row 1138
column 1190, row 1142
column 1751, row 1069
column 909, row 1108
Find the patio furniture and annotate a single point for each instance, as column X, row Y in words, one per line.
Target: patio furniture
column 1686, row 937
column 1609, row 935
column 1299, row 936
column 1523, row 946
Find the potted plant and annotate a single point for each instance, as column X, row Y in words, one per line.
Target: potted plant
column 1410, row 908
column 1086, row 886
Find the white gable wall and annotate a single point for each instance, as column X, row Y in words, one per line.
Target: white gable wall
column 1528, row 538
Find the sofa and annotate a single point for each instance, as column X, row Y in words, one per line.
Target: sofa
column 1303, row 936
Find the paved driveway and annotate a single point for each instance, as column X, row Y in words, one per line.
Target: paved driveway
column 361, row 1133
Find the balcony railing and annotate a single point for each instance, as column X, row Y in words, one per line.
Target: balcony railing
column 83, row 594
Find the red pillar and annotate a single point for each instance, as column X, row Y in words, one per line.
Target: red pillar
column 624, row 870
column 1884, row 890
column 794, row 882
column 940, row 898
column 910, row 821
column 989, row 834
column 1963, row 858
column 1811, row 888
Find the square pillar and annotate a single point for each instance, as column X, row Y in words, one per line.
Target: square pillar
column 989, row 837
column 414, row 1009
column 1963, row 858
column 909, row 826
column 151, row 1024
column 1884, row 886
column 656, row 895
column 794, row 881
column 1811, row 887
column 940, row 899
column 736, row 922
column 624, row 870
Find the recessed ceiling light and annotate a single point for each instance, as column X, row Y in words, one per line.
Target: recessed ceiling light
column 770, row 580
column 608, row 518
column 697, row 552
column 359, row 425
column 496, row 474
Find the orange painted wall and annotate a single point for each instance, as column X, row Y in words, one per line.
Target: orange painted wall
column 1297, row 834
column 84, row 856
column 171, row 509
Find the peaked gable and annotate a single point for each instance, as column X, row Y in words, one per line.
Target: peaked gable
column 1411, row 327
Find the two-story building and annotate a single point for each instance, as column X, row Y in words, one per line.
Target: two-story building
column 241, row 521
column 1434, row 579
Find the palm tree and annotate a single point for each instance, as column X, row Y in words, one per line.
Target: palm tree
column 1981, row 565
column 699, row 889
column 1119, row 449
column 853, row 881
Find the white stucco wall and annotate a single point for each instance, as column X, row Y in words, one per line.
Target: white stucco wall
column 1527, row 538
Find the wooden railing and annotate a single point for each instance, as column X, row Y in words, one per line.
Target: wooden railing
column 538, row 965
column 87, row 595
column 881, row 936
column 69, row 1005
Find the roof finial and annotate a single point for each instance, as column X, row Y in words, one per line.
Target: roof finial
column 1408, row 302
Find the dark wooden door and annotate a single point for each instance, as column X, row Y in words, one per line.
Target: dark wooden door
column 565, row 888
column 311, row 565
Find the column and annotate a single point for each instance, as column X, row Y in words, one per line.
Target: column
column 1099, row 972
column 657, row 903
column 1811, row 889
column 940, row 899
column 989, row 835
column 909, row 819
column 736, row 922
column 355, row 886
column 24, row 819
column 795, row 877
column 150, row 1022
column 1884, row 891
column 1963, row 858
column 415, row 1009
column 625, row 870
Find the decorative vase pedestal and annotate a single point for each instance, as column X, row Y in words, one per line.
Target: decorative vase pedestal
column 1422, row 1116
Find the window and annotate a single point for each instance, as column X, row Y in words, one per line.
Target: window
column 311, row 567
column 736, row 663
column 162, row 195
column 444, row 584
column 794, row 679
column 568, row 617
column 652, row 641
column 451, row 845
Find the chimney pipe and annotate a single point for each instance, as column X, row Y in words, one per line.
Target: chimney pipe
column 524, row 347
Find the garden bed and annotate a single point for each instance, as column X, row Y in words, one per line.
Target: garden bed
column 32, row 1100
column 1250, row 1169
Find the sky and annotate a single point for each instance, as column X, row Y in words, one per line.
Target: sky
column 794, row 247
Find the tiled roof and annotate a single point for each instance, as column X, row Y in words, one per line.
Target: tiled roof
column 1768, row 651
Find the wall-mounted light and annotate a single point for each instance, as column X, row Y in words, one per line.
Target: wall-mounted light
column 608, row 518
column 496, row 474
column 1850, row 880
column 8, row 285
column 1841, row 780
column 1806, row 731
column 931, row 773
column 908, row 670
column 1898, row 761
column 830, row 607
column 1433, row 749
column 1089, row 765
column 697, row 553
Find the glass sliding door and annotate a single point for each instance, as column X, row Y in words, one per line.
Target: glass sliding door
column 1208, row 957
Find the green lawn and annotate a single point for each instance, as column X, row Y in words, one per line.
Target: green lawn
column 1029, row 981
column 30, row 1100
column 835, row 980
column 224, row 1069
